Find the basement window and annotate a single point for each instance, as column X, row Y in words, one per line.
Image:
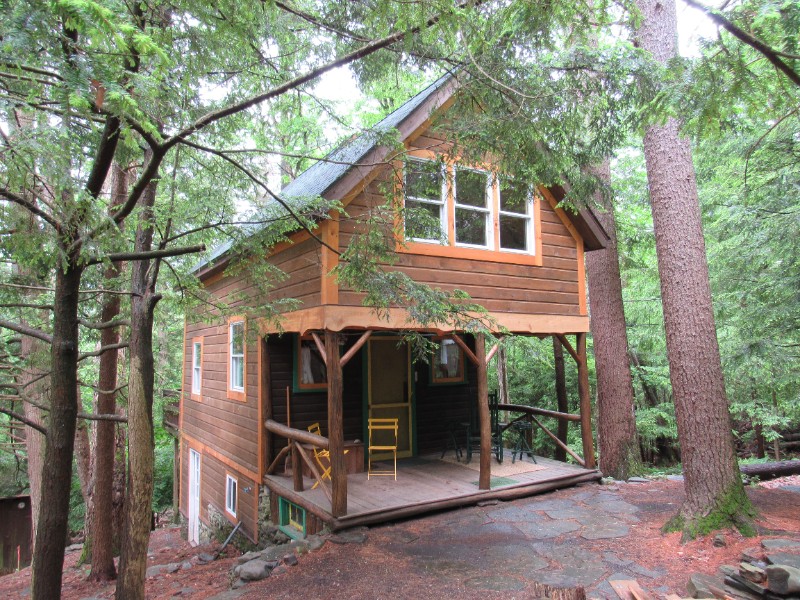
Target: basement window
column 292, row 519
column 231, row 494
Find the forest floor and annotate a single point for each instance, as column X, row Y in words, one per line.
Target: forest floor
column 584, row 535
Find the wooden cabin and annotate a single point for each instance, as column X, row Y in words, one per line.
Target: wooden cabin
column 252, row 389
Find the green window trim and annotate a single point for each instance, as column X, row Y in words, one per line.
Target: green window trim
column 291, row 519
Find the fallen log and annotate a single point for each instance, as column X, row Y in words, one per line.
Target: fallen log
column 771, row 470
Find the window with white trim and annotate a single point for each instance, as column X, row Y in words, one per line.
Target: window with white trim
column 426, row 195
column 236, row 353
column 231, row 494
column 197, row 366
column 467, row 207
column 516, row 216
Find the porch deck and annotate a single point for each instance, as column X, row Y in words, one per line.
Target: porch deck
column 426, row 484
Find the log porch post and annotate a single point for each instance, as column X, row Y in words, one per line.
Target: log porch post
column 336, row 426
column 585, row 401
column 483, row 412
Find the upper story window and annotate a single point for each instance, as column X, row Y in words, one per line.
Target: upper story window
column 463, row 210
column 197, row 365
column 236, row 366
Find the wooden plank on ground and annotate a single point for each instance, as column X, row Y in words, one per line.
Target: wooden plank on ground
column 629, row 589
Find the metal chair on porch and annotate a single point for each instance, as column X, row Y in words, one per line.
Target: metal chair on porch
column 382, row 438
column 320, row 454
column 497, row 428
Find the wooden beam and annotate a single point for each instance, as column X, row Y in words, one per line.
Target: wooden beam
column 492, row 352
column 336, row 426
column 271, row 468
column 565, row 342
column 483, row 413
column 356, row 347
column 465, row 349
column 321, row 347
column 314, row 471
column 585, row 402
column 264, row 406
column 297, row 435
column 297, row 468
column 559, row 443
column 535, row 410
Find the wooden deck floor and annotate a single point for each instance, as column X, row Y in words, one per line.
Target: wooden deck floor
column 427, row 484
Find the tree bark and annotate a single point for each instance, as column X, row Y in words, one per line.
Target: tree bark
column 484, row 421
column 502, row 375
column 616, row 420
column 103, row 568
column 141, row 458
column 712, row 480
column 51, row 535
column 561, row 397
column 84, row 467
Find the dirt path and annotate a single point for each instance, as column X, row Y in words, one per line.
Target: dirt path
column 585, row 535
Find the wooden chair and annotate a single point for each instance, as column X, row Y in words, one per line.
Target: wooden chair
column 320, row 454
column 390, row 426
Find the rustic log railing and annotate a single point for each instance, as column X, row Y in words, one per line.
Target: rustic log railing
column 296, row 438
column 529, row 414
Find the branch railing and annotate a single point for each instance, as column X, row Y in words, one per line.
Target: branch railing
column 529, row 414
column 296, row 438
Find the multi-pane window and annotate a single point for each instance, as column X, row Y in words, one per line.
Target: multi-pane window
column 472, row 208
column 516, row 219
column 197, row 366
column 468, row 209
column 231, row 492
column 236, row 353
column 425, row 200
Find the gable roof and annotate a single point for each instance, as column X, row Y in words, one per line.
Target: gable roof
column 333, row 176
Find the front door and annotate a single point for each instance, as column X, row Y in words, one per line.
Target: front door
column 390, row 388
column 194, row 497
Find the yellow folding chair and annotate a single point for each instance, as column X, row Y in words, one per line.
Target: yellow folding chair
column 320, row 454
column 379, row 443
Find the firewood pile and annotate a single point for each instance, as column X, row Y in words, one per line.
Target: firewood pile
column 771, row 572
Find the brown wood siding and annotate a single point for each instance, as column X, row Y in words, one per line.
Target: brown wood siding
column 551, row 288
column 436, row 406
column 312, row 407
column 212, row 491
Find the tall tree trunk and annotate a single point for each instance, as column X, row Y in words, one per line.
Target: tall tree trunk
column 103, row 568
column 561, row 397
column 84, row 466
column 48, row 553
column 502, row 375
column 715, row 495
column 141, row 459
column 616, row 421
column 34, row 441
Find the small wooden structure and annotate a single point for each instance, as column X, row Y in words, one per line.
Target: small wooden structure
column 252, row 387
column 16, row 530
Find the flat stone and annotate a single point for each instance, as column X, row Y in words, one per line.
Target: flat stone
column 255, row 570
column 698, row 585
column 615, row 561
column 784, row 558
column 720, row 541
column 674, row 477
column 290, row 560
column 349, row 537
column 247, row 557
column 780, row 543
column 752, row 554
column 315, row 542
column 516, row 559
column 575, row 512
column 186, row 565
column 205, row 557
column 555, row 504
column 791, row 488
column 279, row 570
column 638, row 480
column 645, row 572
column 585, row 576
column 495, row 583
column 605, row 531
column 615, row 506
column 172, row 568
column 153, row 571
column 230, row 594
column 275, row 552
column 492, row 502
column 542, row 529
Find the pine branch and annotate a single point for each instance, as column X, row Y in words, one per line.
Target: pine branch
column 25, row 330
column 151, row 254
column 102, row 350
column 768, row 52
column 23, row 419
column 30, row 207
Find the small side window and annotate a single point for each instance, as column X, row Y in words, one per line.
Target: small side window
column 197, row 366
column 231, row 494
column 447, row 364
column 236, row 359
column 311, row 371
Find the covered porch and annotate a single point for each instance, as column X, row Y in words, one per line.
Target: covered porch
column 426, row 484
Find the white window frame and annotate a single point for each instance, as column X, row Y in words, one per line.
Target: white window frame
column 197, row 367
column 530, row 234
column 231, row 494
column 234, row 358
column 486, row 209
column 441, row 202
